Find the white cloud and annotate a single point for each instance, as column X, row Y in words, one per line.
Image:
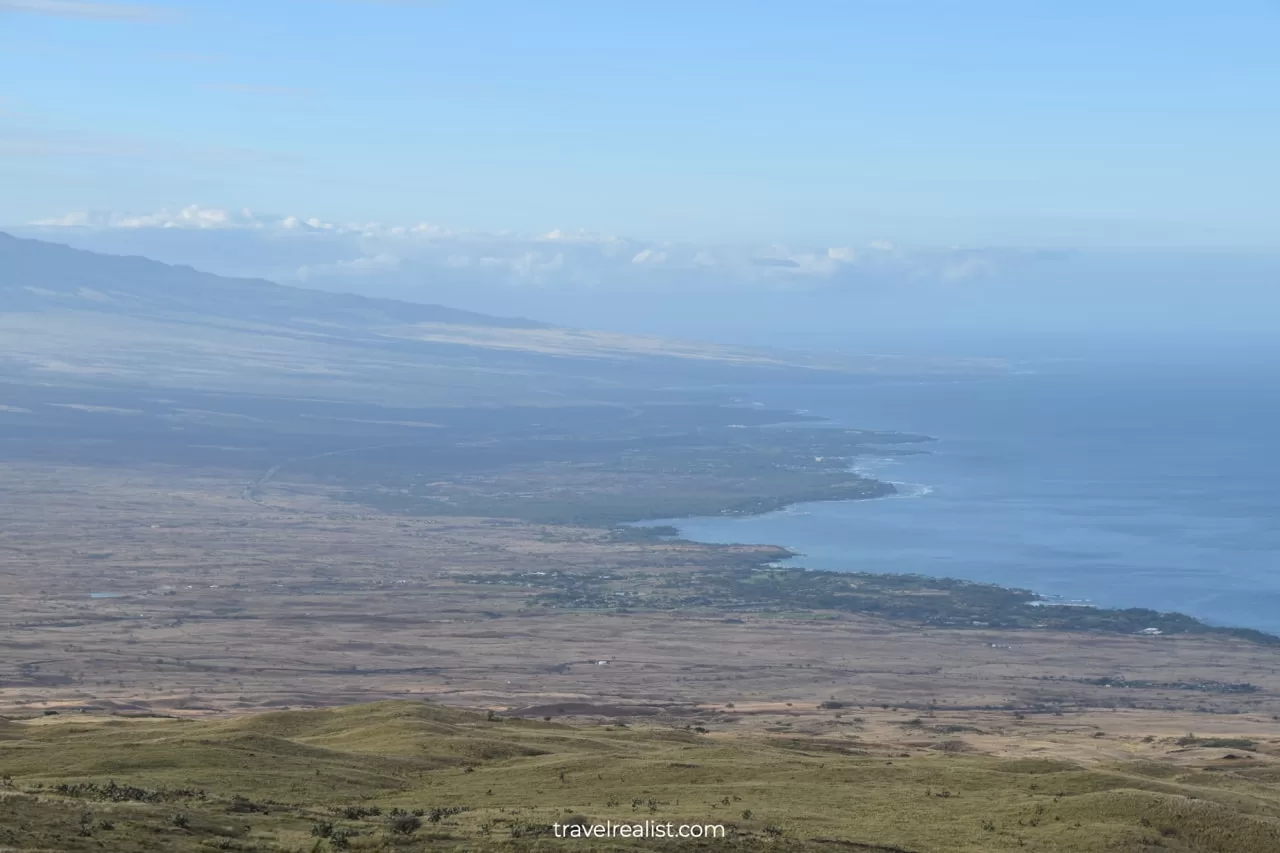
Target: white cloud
column 963, row 268
column 648, row 256
column 363, row 255
column 579, row 236
column 358, row 265
column 191, row 216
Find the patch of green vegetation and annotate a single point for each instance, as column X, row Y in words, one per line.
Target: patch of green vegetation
column 937, row 602
column 586, row 506
column 575, row 476
column 1219, row 742
column 645, row 533
column 416, row 777
column 1222, row 687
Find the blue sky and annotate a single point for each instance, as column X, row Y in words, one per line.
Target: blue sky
column 1083, row 123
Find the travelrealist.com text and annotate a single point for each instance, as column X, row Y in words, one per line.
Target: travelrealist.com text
column 641, row 829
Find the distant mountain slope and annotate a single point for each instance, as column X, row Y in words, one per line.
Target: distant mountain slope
column 37, row 276
column 69, row 315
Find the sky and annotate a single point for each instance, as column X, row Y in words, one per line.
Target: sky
column 924, row 122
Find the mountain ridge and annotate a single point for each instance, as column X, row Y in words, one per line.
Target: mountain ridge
column 138, row 286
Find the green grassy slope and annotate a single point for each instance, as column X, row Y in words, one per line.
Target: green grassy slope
column 333, row 779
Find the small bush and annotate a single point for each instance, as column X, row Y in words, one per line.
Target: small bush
column 1218, row 742
column 440, row 813
column 244, row 805
column 405, row 824
column 360, row 812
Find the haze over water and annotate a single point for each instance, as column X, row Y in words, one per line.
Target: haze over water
column 1117, row 484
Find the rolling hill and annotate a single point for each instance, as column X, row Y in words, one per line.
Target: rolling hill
column 417, row 777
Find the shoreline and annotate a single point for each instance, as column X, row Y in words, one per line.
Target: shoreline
column 885, row 489
column 1051, row 613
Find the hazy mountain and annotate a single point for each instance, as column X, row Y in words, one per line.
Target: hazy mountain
column 859, row 297
column 40, row 276
column 68, row 315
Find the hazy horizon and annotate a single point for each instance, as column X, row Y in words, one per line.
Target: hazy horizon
column 993, row 301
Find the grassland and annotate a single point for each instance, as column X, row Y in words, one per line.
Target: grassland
column 355, row 778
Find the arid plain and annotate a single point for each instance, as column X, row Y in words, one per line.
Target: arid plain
column 172, row 593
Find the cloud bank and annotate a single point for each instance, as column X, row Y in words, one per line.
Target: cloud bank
column 875, row 297
column 380, row 256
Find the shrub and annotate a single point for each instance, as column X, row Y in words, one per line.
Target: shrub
column 360, row 812
column 244, row 805
column 439, row 813
column 405, row 824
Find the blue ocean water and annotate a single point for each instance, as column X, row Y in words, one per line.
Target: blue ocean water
column 1119, row 485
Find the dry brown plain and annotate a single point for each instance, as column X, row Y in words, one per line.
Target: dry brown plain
column 227, row 605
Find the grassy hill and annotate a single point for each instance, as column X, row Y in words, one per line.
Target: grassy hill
column 410, row 776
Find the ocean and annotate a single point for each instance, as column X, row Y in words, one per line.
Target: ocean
column 1119, row 485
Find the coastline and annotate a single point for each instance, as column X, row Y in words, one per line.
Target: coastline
column 1056, row 611
column 968, row 604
